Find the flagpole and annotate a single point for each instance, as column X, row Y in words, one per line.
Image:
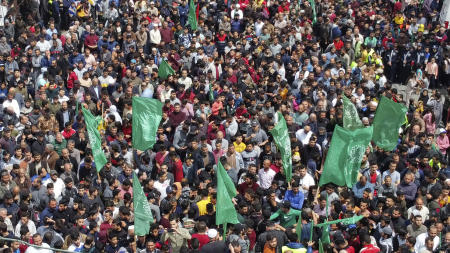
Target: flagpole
column 311, row 233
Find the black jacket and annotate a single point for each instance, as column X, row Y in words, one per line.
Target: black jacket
column 60, row 117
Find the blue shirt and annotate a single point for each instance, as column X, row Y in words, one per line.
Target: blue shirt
column 358, row 189
column 295, row 199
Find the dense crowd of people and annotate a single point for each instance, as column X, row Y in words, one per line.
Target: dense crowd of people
column 244, row 62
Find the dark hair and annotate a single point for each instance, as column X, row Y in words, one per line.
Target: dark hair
column 292, row 237
column 365, row 238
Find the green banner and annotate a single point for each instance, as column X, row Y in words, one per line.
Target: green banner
column 389, row 117
column 142, row 213
column 147, row 114
column 94, row 138
column 225, row 210
column 281, row 138
column 345, row 155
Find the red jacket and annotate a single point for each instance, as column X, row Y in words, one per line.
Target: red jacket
column 71, row 79
column 283, row 8
column 68, row 134
column 91, row 40
column 202, row 239
column 178, row 170
column 338, row 44
column 386, row 40
column 370, row 249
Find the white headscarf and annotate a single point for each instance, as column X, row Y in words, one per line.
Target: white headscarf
column 113, row 111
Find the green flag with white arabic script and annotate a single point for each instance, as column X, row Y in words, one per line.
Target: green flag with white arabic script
column 142, row 213
column 345, row 155
column 351, row 117
column 94, row 138
column 281, row 138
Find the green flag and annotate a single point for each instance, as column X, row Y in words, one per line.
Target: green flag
column 165, row 70
column 389, row 117
column 225, row 210
column 281, row 138
column 346, row 221
column 313, row 7
column 325, row 234
column 147, row 114
column 211, row 93
column 142, row 213
column 326, row 230
column 229, row 185
column 345, row 155
column 320, row 246
column 192, row 18
column 94, row 138
column 298, row 228
column 351, row 117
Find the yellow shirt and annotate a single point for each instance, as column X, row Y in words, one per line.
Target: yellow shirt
column 202, row 206
column 399, row 20
column 239, row 147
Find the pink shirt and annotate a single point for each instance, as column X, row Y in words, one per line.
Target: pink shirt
column 442, row 143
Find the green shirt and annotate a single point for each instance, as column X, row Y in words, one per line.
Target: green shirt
column 59, row 145
column 300, row 118
column 288, row 219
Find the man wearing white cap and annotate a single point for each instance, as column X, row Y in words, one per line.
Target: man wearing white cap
column 237, row 12
column 215, row 245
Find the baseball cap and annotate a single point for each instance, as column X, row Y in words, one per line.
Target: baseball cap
column 169, row 189
column 53, row 172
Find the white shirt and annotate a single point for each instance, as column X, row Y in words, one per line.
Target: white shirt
column 3, row 11
column 302, row 136
column 90, row 60
column 359, row 99
column 258, row 28
column 58, row 187
column 74, row 248
column 30, row 225
column 187, row 82
column 63, row 99
column 7, row 103
column 161, row 187
column 423, row 212
column 43, row 46
column 306, row 181
column 420, row 242
column 237, row 12
column 155, row 36
column 266, row 178
column 31, row 249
